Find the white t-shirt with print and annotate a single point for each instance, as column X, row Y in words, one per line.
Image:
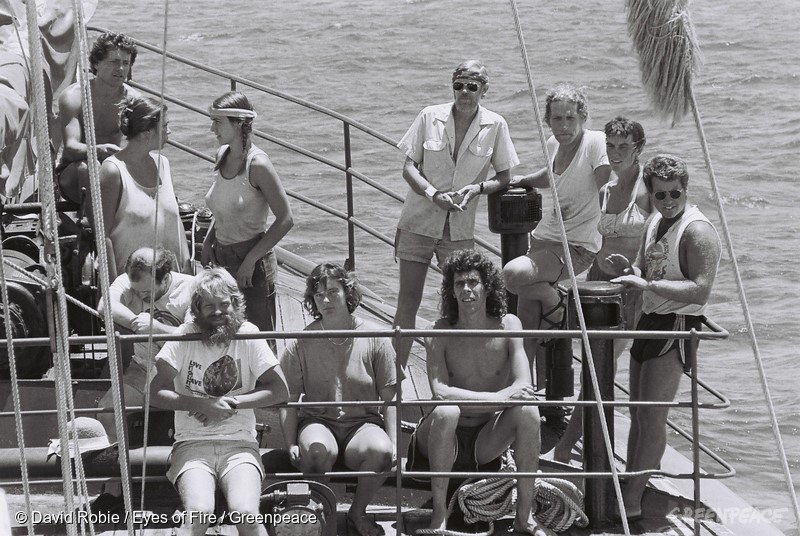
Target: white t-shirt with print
column 215, row 371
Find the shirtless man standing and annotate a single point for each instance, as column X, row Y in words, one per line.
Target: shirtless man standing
column 111, row 60
column 490, row 369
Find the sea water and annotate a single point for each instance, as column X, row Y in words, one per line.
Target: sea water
column 380, row 62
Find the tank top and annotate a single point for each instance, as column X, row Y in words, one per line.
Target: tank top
column 662, row 261
column 630, row 222
column 134, row 221
column 240, row 210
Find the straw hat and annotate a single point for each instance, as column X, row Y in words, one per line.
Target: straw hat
column 90, row 434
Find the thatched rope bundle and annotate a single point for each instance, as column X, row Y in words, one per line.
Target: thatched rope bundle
column 664, row 37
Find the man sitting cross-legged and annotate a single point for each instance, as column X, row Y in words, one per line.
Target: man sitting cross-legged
column 486, row 368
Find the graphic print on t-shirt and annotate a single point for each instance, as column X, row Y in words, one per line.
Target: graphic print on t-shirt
column 219, row 378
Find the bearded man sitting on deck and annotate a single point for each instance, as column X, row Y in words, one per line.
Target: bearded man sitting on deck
column 487, row 368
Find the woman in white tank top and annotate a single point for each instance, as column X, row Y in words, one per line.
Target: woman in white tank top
column 133, row 215
column 624, row 209
column 246, row 187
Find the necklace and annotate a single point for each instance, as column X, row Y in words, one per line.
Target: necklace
column 343, row 341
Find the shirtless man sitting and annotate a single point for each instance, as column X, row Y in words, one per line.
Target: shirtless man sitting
column 111, row 60
column 490, row 369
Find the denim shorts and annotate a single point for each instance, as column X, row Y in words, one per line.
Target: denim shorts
column 582, row 258
column 216, row 457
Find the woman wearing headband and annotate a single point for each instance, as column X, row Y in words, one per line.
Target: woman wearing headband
column 129, row 182
column 245, row 188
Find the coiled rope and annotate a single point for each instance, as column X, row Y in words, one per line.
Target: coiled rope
column 568, row 261
column 490, row 499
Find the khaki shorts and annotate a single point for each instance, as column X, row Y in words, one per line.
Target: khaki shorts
column 216, row 457
column 415, row 247
column 582, row 258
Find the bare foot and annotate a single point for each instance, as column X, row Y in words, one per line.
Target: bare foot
column 533, row 528
column 362, row 525
column 438, row 520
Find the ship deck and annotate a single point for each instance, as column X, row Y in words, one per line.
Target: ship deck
column 664, row 498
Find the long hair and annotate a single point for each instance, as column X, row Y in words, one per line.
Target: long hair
column 237, row 99
column 106, row 43
column 216, row 283
column 463, row 261
column 325, row 273
column 138, row 115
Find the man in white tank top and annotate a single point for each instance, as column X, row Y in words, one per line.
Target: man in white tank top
column 675, row 269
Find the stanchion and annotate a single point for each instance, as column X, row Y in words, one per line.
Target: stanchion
column 602, row 309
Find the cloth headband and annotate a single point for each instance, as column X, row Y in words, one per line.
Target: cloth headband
column 237, row 113
column 470, row 74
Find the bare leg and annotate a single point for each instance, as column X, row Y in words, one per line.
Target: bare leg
column 412, row 283
column 318, row 449
column 437, row 440
column 659, row 379
column 242, row 488
column 196, row 488
column 368, row 450
column 519, row 427
column 574, row 431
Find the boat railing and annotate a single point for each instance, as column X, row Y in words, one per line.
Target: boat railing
column 346, row 167
column 714, row 332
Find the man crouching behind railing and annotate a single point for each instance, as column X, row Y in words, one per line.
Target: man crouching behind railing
column 492, row 369
column 213, row 385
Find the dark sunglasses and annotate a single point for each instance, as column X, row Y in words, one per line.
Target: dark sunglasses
column 471, row 86
column 674, row 194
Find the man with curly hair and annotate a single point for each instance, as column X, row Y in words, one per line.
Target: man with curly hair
column 111, row 61
column 492, row 369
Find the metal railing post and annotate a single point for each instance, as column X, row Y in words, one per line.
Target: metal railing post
column 350, row 263
column 693, row 342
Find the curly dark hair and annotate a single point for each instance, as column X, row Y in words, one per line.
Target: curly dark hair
column 665, row 168
column 623, row 127
column 325, row 273
column 463, row 261
column 106, row 43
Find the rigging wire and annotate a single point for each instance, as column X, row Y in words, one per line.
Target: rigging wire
column 751, row 332
column 100, row 234
column 568, row 262
column 150, row 357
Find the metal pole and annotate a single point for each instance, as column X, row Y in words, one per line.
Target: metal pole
column 350, row 263
column 693, row 342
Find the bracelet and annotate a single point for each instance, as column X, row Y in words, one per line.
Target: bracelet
column 482, row 186
column 430, row 192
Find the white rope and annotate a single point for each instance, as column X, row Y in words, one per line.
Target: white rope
column 94, row 189
column 12, row 363
column 751, row 331
column 150, row 344
column 573, row 279
column 42, row 282
column 491, row 498
column 50, row 233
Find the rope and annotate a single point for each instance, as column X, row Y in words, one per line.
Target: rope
column 94, row 189
column 150, row 357
column 12, row 363
column 751, row 332
column 50, row 232
column 568, row 261
column 490, row 499
column 42, row 282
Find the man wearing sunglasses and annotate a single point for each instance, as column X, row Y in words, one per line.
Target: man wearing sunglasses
column 449, row 148
column 675, row 269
